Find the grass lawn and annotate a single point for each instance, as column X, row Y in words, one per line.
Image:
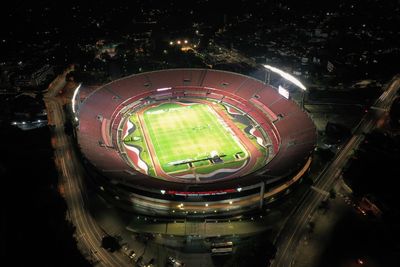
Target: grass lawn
column 189, row 132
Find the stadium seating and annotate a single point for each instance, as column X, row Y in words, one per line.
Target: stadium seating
column 248, row 88
column 268, row 96
column 283, row 107
column 105, row 132
column 131, row 86
column 291, row 131
column 272, row 116
column 230, row 101
column 215, row 96
column 227, row 81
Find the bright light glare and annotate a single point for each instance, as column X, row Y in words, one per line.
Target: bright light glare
column 186, row 41
column 286, row 75
column 162, row 192
column 282, row 91
column 239, row 189
column 74, row 96
column 163, row 89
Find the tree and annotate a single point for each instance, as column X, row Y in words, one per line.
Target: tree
column 110, row 243
column 311, row 226
column 332, row 194
column 68, row 128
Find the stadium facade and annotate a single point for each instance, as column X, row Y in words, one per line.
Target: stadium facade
column 120, row 173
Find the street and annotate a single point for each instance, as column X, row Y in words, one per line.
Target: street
column 296, row 224
column 88, row 233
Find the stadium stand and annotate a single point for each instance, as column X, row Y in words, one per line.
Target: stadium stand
column 290, row 130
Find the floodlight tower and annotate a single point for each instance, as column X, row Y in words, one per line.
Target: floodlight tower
column 75, row 102
column 287, row 77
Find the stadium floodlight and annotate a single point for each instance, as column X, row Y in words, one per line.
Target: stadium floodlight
column 163, row 89
column 286, row 75
column 282, row 91
column 74, row 97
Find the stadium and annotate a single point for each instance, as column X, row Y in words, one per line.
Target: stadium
column 192, row 142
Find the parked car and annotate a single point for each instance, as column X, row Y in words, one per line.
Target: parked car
column 171, row 261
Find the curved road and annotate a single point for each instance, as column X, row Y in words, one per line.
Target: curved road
column 296, row 224
column 88, row 233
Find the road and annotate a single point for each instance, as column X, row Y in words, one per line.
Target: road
column 296, row 224
column 88, row 233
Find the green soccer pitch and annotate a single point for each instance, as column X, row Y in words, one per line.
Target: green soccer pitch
column 192, row 132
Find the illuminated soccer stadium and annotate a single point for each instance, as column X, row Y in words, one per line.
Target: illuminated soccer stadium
column 192, row 142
